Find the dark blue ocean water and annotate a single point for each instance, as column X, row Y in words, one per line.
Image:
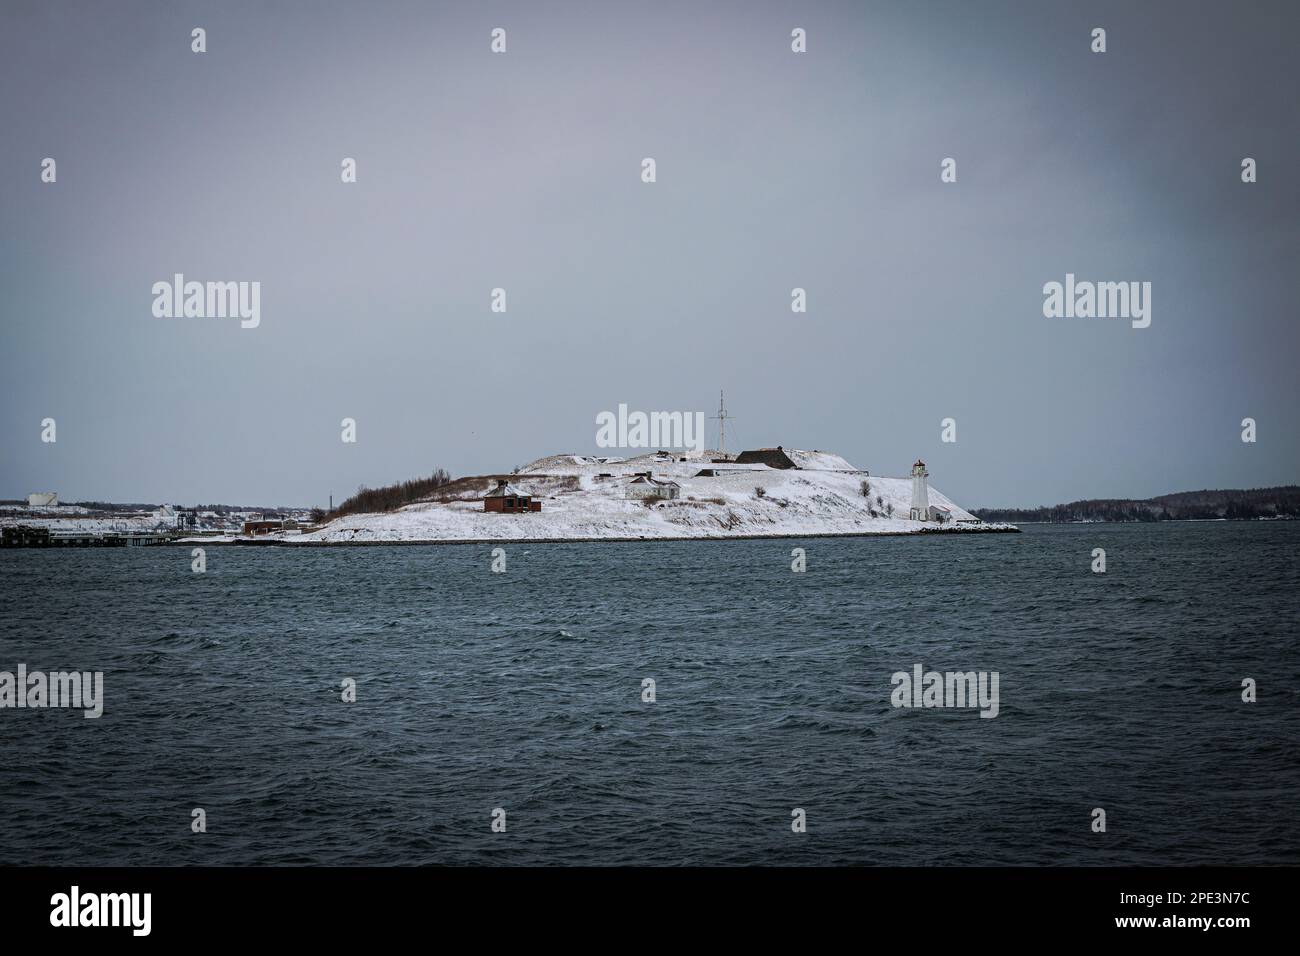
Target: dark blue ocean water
column 522, row 690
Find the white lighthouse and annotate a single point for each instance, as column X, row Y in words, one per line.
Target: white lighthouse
column 920, row 492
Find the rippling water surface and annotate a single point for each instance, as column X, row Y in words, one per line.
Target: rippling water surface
column 522, row 690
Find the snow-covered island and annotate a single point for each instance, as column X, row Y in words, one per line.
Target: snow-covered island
column 771, row 492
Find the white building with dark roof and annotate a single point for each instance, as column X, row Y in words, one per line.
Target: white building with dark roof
column 645, row 486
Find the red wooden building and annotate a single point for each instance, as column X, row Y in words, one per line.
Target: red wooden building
column 505, row 499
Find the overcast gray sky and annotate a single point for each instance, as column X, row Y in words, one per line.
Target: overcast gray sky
column 522, row 170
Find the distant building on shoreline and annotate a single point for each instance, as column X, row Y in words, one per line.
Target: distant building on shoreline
column 264, row 525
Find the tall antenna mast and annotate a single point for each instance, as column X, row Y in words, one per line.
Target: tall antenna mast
column 722, row 417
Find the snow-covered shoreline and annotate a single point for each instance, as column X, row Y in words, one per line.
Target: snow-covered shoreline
column 588, row 499
column 294, row 541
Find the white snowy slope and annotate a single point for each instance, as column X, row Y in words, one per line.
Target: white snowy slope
column 580, row 503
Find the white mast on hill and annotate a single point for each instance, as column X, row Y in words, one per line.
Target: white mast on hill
column 722, row 417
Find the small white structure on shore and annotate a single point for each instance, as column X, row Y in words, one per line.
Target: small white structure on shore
column 42, row 499
column 645, row 485
column 920, row 493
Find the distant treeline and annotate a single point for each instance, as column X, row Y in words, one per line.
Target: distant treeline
column 1237, row 505
column 388, row 498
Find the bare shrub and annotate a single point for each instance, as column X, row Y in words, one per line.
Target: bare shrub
column 390, row 497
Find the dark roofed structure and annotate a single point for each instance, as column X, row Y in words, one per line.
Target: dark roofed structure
column 772, row 457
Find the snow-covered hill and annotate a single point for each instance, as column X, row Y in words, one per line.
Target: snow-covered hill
column 586, row 498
